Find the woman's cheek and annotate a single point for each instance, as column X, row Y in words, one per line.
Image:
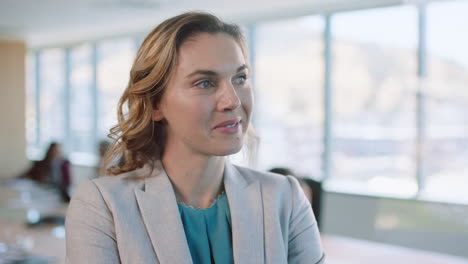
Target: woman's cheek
column 247, row 101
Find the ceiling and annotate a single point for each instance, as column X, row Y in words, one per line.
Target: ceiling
column 60, row 22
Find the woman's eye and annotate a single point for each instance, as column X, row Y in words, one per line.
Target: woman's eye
column 240, row 79
column 204, row 84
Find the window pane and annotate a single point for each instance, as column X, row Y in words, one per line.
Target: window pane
column 289, row 81
column 81, row 81
column 52, row 75
column 115, row 58
column 31, row 115
column 446, row 152
column 31, row 135
column 374, row 81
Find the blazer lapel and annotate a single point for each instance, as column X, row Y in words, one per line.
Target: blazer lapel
column 158, row 207
column 245, row 203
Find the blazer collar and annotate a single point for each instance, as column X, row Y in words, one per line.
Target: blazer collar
column 160, row 213
column 245, row 202
column 158, row 207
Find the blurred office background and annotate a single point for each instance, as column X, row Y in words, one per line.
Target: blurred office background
column 369, row 97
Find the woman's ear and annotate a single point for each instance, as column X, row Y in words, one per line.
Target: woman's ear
column 157, row 114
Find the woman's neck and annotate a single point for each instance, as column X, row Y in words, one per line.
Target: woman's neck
column 197, row 180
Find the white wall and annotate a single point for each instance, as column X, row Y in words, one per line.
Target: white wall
column 12, row 108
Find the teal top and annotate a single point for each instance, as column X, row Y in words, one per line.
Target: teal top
column 208, row 231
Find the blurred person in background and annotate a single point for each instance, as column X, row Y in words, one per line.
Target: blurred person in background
column 176, row 198
column 53, row 170
column 103, row 147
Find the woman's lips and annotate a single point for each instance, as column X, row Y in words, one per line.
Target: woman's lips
column 228, row 127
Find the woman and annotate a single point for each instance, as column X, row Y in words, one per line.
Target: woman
column 103, row 146
column 53, row 170
column 174, row 197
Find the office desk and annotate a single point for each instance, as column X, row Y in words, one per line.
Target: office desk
column 342, row 250
column 22, row 201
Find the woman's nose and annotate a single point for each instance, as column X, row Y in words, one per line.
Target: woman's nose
column 228, row 98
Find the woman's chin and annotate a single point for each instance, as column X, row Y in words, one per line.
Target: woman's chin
column 227, row 150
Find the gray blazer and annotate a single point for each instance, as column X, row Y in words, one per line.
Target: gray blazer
column 126, row 219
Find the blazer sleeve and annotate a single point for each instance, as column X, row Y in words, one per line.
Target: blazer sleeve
column 90, row 233
column 304, row 244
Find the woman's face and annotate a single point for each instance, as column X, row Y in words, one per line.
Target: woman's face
column 208, row 101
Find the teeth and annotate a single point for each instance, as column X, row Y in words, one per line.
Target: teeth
column 233, row 125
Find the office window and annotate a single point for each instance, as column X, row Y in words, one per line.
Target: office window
column 32, row 138
column 289, row 90
column 115, row 58
column 52, row 89
column 81, row 99
column 446, row 148
column 90, row 98
column 373, row 97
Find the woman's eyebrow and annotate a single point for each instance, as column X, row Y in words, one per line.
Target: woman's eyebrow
column 202, row 72
column 242, row 67
column 213, row 73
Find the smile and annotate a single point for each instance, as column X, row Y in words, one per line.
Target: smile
column 229, row 127
column 229, row 123
column 233, row 125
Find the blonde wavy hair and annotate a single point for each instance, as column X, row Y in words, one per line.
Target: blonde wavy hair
column 137, row 139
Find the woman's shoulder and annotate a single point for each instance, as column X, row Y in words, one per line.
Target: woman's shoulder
column 267, row 179
column 281, row 192
column 106, row 187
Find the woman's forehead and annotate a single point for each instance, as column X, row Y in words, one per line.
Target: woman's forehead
column 210, row 52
